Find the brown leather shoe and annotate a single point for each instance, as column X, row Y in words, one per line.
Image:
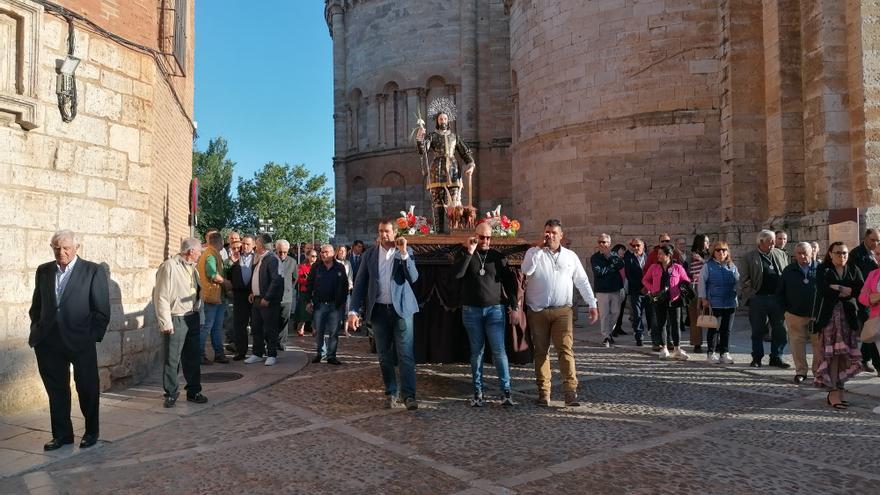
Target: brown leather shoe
column 221, row 359
column 571, row 399
column 543, row 400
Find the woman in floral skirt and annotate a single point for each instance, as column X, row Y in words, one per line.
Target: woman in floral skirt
column 837, row 321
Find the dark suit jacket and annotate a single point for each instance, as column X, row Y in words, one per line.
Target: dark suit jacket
column 340, row 283
column 366, row 284
column 634, row 272
column 271, row 282
column 84, row 312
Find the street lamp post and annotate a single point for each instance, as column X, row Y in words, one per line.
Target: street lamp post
column 266, row 226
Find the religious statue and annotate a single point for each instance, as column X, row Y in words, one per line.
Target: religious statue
column 444, row 175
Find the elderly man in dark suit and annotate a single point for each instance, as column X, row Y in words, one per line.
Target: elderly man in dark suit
column 70, row 311
column 267, row 288
column 383, row 290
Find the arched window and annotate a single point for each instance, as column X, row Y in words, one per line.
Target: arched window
column 392, row 124
column 393, row 179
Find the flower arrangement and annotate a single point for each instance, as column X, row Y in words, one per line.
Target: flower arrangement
column 410, row 224
column 501, row 225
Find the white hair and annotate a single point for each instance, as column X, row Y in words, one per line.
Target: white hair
column 64, row 235
column 282, row 244
column 189, row 243
column 328, row 245
column 765, row 234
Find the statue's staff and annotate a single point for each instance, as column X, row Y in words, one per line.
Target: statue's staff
column 423, row 158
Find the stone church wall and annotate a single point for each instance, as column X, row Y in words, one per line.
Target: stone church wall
column 117, row 175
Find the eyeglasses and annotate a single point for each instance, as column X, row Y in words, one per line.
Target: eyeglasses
column 634, row 245
column 484, row 237
column 313, row 256
column 282, row 252
column 841, row 253
column 665, row 240
column 721, row 250
column 604, row 242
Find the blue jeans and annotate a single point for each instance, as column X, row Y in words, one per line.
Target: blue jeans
column 324, row 322
column 482, row 324
column 393, row 333
column 213, row 323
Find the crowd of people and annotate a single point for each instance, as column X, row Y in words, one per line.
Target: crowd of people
column 793, row 300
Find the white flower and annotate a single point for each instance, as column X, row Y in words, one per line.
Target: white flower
column 412, row 231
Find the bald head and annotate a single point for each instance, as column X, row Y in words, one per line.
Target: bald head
column 483, row 233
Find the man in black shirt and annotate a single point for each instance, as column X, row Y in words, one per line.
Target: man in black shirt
column 484, row 272
column 760, row 273
column 327, row 290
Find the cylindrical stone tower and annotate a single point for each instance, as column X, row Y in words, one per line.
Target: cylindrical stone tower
column 390, row 59
column 616, row 116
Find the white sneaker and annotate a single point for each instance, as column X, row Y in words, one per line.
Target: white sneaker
column 254, row 359
column 270, row 361
column 664, row 353
column 679, row 354
column 714, row 358
column 726, row 359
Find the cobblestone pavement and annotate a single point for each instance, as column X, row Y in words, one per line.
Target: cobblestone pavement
column 645, row 426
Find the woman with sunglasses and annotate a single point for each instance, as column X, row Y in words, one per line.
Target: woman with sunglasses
column 716, row 287
column 837, row 321
column 662, row 283
column 699, row 256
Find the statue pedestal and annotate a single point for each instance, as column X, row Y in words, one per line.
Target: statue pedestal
column 440, row 336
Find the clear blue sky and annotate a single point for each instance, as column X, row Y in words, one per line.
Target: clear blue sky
column 264, row 82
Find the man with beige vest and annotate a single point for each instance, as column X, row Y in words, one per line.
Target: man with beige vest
column 176, row 301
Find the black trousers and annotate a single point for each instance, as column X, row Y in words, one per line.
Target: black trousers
column 241, row 314
column 54, row 360
column 264, row 328
column 665, row 327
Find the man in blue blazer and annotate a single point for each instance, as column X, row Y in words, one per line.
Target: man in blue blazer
column 69, row 312
column 383, row 294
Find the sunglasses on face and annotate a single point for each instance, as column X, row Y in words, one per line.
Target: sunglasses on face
column 603, row 242
column 665, row 240
column 484, row 237
column 721, row 250
column 841, row 253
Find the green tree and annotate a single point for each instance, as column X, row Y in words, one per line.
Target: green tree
column 299, row 204
column 214, row 171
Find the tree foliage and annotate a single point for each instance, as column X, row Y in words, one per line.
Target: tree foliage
column 214, row 171
column 299, row 204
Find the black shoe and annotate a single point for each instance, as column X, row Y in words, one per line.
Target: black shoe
column 756, row 363
column 220, row 358
column 316, row 359
column 619, row 331
column 57, row 443
column 206, row 361
column 606, row 342
column 238, row 357
column 779, row 363
column 170, row 401
column 333, row 360
column 88, row 440
column 698, row 348
column 229, row 348
column 639, row 342
column 800, row 379
column 198, row 398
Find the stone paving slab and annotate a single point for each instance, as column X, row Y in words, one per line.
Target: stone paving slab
column 645, row 426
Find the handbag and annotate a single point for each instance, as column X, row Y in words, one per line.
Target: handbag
column 707, row 320
column 871, row 330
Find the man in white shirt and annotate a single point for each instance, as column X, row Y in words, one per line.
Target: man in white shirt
column 551, row 271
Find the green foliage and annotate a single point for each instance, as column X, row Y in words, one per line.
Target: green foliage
column 214, row 171
column 297, row 202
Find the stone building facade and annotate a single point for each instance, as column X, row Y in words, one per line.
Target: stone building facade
column 636, row 117
column 117, row 174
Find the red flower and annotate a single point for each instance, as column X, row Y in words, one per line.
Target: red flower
column 482, row 220
column 424, row 229
column 505, row 222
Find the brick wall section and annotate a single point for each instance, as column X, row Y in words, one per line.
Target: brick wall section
column 617, row 116
column 105, row 176
column 783, row 107
column 863, row 61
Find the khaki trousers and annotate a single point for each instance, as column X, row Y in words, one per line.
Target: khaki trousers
column 553, row 324
column 798, row 336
